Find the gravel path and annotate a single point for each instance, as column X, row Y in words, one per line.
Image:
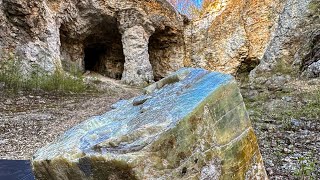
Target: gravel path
column 287, row 124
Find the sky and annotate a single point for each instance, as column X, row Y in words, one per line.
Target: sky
column 196, row 2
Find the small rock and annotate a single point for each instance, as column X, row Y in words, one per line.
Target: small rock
column 140, row 100
column 286, row 150
column 296, row 123
column 313, row 70
column 270, row 171
column 287, row 98
column 22, row 100
column 252, row 94
column 8, row 102
column 276, row 82
column 2, row 85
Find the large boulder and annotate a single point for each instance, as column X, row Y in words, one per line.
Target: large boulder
column 190, row 125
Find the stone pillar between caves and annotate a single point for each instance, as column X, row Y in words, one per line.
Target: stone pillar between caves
column 137, row 67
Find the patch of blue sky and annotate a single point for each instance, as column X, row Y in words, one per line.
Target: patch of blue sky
column 181, row 6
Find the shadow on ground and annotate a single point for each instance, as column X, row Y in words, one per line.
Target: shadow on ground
column 16, row 170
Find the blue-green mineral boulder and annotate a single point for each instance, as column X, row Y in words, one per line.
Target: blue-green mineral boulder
column 190, row 125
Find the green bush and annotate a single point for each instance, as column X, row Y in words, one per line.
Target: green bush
column 14, row 79
column 306, row 168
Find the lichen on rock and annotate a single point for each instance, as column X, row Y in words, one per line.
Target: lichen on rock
column 191, row 125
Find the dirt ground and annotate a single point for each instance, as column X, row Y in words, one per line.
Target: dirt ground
column 29, row 121
column 287, row 124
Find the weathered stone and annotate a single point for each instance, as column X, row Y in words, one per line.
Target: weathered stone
column 294, row 45
column 234, row 34
column 90, row 35
column 313, row 70
column 238, row 35
column 137, row 68
column 191, row 125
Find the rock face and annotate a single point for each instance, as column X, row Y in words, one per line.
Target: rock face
column 142, row 41
column 190, row 125
column 294, row 47
column 233, row 36
column 239, row 34
column 111, row 37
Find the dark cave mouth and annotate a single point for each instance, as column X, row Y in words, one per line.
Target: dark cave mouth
column 93, row 56
column 106, row 59
column 103, row 50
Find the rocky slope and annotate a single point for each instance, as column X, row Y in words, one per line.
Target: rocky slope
column 287, row 123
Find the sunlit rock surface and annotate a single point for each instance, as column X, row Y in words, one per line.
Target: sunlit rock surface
column 190, row 125
column 106, row 36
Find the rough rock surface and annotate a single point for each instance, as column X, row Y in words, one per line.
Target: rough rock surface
column 239, row 34
column 89, row 35
column 192, row 124
column 294, row 46
column 142, row 41
column 234, row 35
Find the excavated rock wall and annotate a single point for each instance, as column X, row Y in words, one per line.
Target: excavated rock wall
column 233, row 36
column 239, row 34
column 67, row 33
column 293, row 49
column 139, row 42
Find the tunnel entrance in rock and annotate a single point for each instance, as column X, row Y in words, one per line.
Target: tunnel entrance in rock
column 93, row 56
column 98, row 47
column 103, row 51
column 158, row 45
column 163, row 48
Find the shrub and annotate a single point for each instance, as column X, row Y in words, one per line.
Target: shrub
column 14, row 80
column 306, row 168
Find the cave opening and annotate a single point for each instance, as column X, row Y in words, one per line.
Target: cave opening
column 246, row 66
column 93, row 55
column 98, row 48
column 156, row 48
column 103, row 50
column 163, row 49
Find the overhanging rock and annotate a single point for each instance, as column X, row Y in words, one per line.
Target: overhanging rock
column 190, row 125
